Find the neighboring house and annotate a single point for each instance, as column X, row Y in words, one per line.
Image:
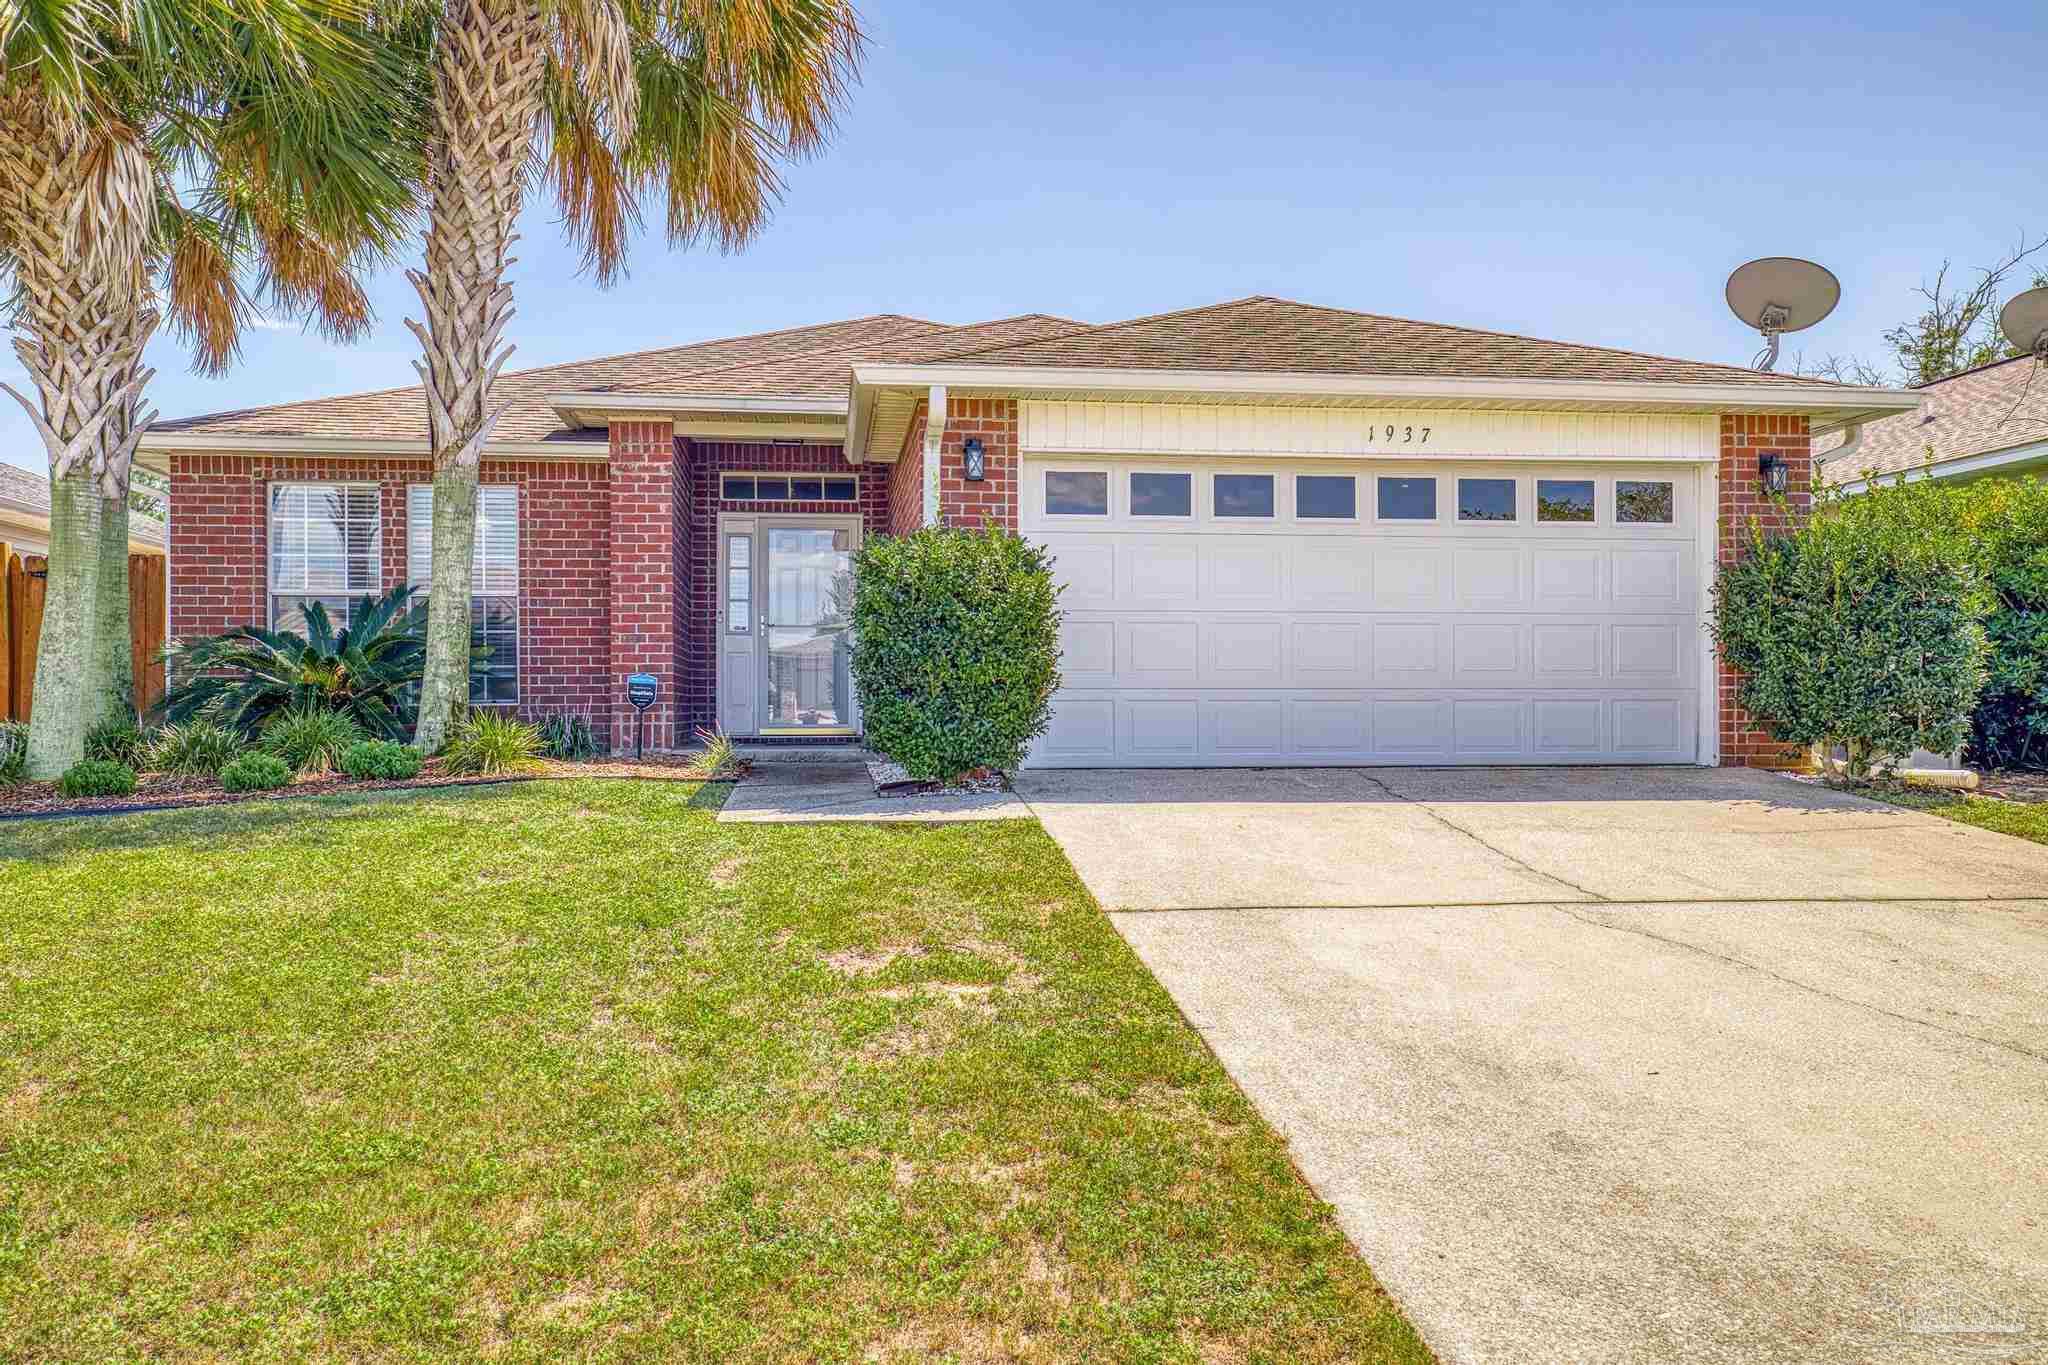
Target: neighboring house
column 1287, row 534
column 1992, row 420
column 25, row 516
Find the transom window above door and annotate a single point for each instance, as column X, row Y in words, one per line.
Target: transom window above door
column 788, row 488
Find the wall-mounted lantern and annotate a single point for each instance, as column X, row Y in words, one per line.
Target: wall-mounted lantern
column 1773, row 470
column 976, row 460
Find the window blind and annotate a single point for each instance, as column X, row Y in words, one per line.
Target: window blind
column 497, row 539
column 325, row 539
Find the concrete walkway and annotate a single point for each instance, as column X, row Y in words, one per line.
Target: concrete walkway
column 827, row 790
column 1619, row 1065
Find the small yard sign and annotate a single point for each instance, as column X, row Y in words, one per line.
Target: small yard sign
column 641, row 690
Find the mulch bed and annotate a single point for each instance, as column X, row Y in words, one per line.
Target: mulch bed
column 2025, row 787
column 157, row 791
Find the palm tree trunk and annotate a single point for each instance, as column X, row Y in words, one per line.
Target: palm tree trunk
column 83, row 319
column 113, row 651
column 487, row 97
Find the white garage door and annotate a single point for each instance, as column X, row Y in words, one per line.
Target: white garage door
column 1326, row 612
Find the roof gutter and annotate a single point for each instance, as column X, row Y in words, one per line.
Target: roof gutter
column 593, row 408
column 1839, row 403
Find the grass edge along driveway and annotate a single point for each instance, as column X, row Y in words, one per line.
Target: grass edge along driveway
column 568, row 1068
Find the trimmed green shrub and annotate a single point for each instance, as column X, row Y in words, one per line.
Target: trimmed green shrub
column 955, row 648
column 97, row 777
column 310, row 739
column 193, row 748
column 1863, row 629
column 380, row 760
column 568, row 735
column 488, row 742
column 2004, row 527
column 13, row 750
column 116, row 741
column 254, row 771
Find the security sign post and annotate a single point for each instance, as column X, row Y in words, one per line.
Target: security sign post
column 641, row 689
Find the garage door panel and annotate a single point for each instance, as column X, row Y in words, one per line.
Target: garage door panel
column 1489, row 577
column 1279, row 641
column 1159, row 653
column 1568, row 652
column 1158, row 571
column 1243, row 574
column 1569, row 579
column 1241, row 653
column 1327, row 574
column 1410, row 576
column 1330, row 653
column 1489, row 653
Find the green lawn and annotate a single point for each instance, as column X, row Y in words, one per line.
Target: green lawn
column 2028, row 820
column 568, row 1068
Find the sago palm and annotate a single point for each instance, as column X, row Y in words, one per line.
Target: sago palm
column 605, row 102
column 180, row 159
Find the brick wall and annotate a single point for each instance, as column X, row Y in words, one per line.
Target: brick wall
column 706, row 461
column 643, row 553
column 906, row 478
column 219, row 563
column 1744, row 439
column 993, row 501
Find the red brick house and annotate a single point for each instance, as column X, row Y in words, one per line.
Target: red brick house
column 1288, row 534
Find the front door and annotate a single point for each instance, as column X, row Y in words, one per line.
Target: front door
column 785, row 664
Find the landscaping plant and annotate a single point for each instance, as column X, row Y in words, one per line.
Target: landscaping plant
column 159, row 163
column 1863, row 629
column 13, row 750
column 116, row 740
column 255, row 771
column 96, row 777
column 568, row 735
column 381, row 760
column 955, row 648
column 487, row 743
column 368, row 671
column 719, row 758
column 310, row 739
column 193, row 748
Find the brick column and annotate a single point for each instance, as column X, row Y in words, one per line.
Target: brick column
column 642, row 527
column 1745, row 438
column 993, row 501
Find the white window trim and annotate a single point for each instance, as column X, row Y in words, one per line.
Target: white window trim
column 1601, row 497
column 1294, row 492
column 271, row 589
column 1271, row 476
column 1434, row 478
column 1151, row 518
column 1521, row 500
column 1614, row 502
column 1109, row 502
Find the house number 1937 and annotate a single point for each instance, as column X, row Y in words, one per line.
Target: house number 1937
column 1402, row 435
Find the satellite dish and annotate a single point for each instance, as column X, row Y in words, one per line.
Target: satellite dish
column 2024, row 320
column 1781, row 294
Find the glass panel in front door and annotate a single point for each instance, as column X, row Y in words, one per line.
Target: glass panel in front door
column 808, row 574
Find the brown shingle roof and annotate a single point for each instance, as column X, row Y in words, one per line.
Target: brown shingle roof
column 400, row 414
column 1994, row 407
column 1269, row 334
column 25, row 490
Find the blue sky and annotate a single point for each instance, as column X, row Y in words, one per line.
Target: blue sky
column 1583, row 172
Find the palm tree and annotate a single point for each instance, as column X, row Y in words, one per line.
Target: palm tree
column 153, row 155
column 603, row 101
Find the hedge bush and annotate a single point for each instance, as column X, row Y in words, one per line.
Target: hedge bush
column 96, row 777
column 955, row 648
column 255, row 771
column 2003, row 524
column 1863, row 629
column 380, row 760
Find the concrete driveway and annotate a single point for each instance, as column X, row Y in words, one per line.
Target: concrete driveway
column 1619, row 1064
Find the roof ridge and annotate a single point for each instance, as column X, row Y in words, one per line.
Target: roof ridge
column 1974, row 369
column 1524, row 336
column 564, row 365
column 716, row 370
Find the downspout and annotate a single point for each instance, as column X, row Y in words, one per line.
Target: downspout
column 934, row 440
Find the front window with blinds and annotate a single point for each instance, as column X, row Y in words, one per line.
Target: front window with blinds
column 326, row 546
column 494, row 582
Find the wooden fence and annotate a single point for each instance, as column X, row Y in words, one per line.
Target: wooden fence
column 21, row 626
